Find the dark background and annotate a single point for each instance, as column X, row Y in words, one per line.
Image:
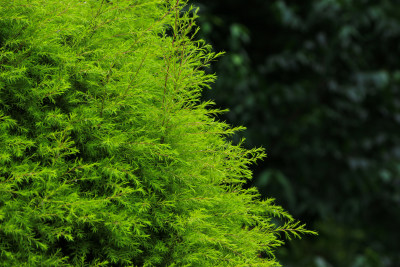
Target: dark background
column 317, row 83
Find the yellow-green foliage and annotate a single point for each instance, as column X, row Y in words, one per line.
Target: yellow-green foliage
column 107, row 155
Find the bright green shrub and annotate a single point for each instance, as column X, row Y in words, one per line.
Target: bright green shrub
column 107, row 155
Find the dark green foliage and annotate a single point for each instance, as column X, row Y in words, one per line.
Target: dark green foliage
column 107, row 155
column 317, row 81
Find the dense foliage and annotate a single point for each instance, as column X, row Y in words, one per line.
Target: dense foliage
column 317, row 82
column 108, row 157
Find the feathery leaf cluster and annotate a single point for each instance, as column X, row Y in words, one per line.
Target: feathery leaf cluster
column 107, row 155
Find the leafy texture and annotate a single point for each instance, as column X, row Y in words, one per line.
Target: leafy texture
column 108, row 158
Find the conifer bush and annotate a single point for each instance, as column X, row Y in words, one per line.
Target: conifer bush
column 107, row 155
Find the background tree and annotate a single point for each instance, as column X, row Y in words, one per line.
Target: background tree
column 317, row 83
column 107, row 155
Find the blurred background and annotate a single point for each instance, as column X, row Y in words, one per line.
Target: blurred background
column 317, row 83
